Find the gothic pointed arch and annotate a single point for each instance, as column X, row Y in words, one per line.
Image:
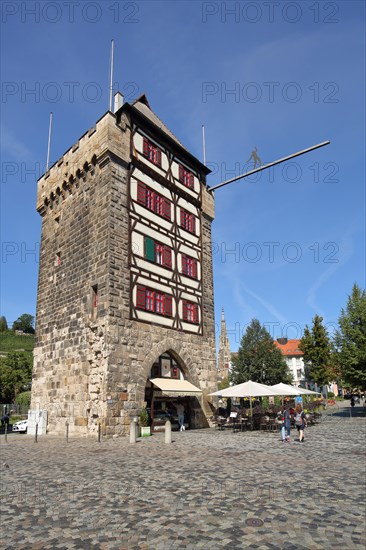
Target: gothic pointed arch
column 181, row 355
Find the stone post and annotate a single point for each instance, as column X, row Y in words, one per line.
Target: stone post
column 168, row 431
column 133, row 431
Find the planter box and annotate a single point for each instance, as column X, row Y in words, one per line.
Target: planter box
column 145, row 431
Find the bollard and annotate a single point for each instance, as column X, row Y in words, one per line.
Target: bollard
column 133, row 432
column 67, row 432
column 36, row 434
column 168, row 431
column 99, row 432
column 6, row 432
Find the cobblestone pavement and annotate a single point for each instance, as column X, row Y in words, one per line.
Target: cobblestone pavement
column 208, row 489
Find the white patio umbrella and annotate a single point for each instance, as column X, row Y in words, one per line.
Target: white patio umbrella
column 286, row 389
column 248, row 389
column 304, row 391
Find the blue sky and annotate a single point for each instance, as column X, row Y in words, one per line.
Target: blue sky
column 280, row 76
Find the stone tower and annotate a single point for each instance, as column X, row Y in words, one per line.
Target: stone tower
column 125, row 313
column 224, row 356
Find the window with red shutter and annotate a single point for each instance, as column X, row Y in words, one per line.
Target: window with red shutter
column 190, row 312
column 167, row 256
column 166, row 209
column 141, row 193
column 152, row 152
column 185, row 310
column 187, row 221
column 184, row 264
column 159, row 204
column 159, row 302
column 168, row 305
column 195, row 313
column 146, row 147
column 193, row 224
column 158, row 157
column 141, row 297
column 150, row 302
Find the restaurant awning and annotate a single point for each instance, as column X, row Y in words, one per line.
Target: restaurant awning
column 176, row 388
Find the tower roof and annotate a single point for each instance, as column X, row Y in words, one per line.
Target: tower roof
column 143, row 106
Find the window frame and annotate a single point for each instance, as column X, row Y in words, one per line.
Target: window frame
column 190, row 307
column 186, row 261
column 188, row 221
column 151, row 151
column 143, row 294
column 186, row 177
column 150, row 199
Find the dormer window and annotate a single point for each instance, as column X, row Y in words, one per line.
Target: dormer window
column 152, row 152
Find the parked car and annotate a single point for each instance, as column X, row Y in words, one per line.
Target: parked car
column 20, row 426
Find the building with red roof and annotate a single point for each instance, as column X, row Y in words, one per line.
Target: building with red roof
column 294, row 359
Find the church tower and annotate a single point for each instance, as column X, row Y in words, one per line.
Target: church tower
column 125, row 312
column 224, row 356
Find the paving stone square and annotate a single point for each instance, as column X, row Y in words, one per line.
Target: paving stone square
column 209, row 489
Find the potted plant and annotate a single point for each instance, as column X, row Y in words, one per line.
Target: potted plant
column 144, row 423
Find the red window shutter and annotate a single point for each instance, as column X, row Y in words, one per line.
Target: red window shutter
column 141, row 193
column 167, row 256
column 158, row 157
column 182, row 216
column 195, row 313
column 185, row 311
column 146, row 147
column 168, row 310
column 191, row 180
column 194, row 269
column 184, row 263
column 193, row 224
column 181, row 173
column 166, row 209
column 141, row 297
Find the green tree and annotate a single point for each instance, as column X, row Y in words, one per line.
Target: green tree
column 350, row 339
column 223, row 384
column 317, row 349
column 23, row 398
column 15, row 375
column 3, row 324
column 24, row 323
column 259, row 359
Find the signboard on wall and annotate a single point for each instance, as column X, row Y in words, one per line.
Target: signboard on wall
column 165, row 368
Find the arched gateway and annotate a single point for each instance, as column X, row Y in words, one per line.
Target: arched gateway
column 125, row 311
column 169, row 386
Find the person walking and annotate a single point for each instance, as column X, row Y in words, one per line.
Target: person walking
column 300, row 421
column 286, row 427
column 180, row 411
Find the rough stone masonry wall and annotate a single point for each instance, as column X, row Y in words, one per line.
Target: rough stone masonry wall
column 70, row 357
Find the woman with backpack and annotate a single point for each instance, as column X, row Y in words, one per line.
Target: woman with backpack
column 300, row 421
column 286, row 425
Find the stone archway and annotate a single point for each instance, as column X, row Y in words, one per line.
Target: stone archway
column 180, row 354
column 196, row 414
